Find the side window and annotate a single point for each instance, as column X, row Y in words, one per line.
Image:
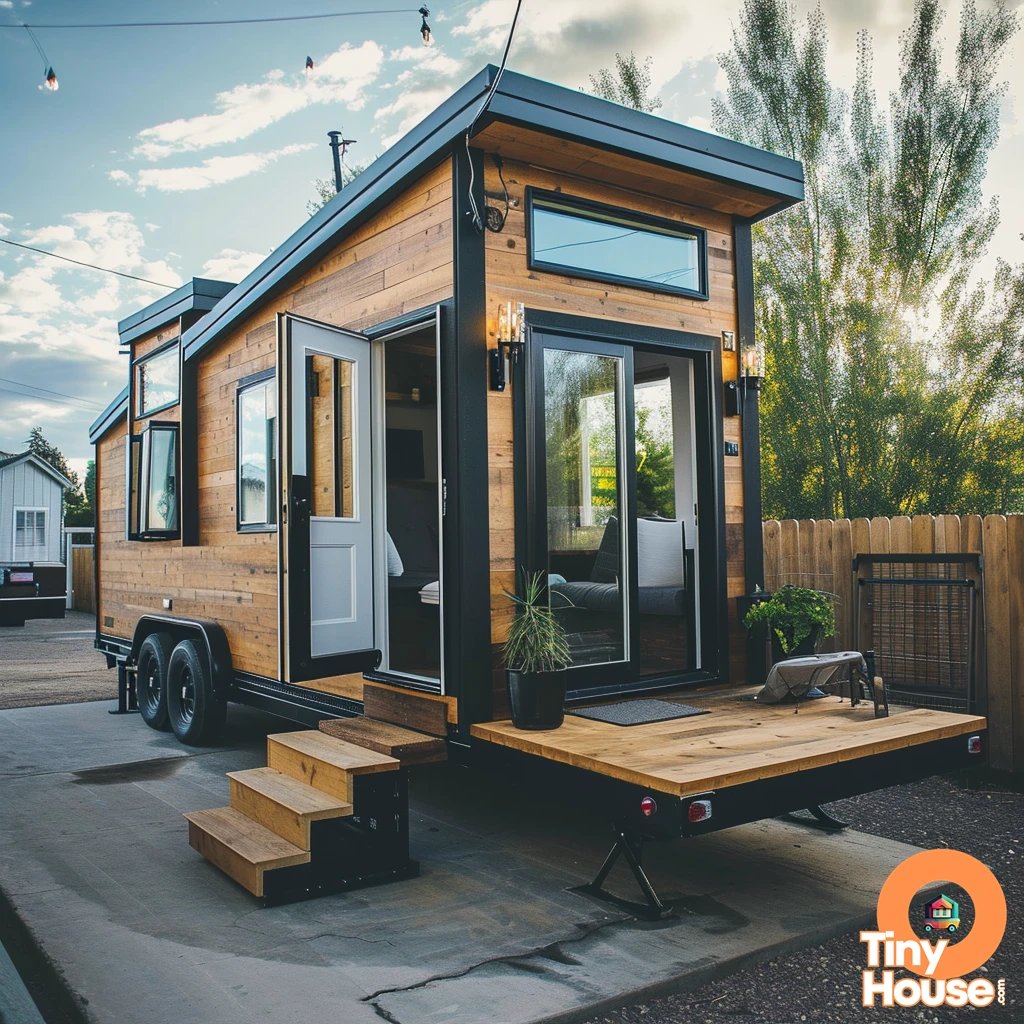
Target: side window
column 156, row 381
column 257, row 455
column 152, row 470
column 29, row 534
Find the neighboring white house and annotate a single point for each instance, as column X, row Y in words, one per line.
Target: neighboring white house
column 31, row 509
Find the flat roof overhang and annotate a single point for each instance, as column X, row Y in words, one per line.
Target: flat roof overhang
column 740, row 179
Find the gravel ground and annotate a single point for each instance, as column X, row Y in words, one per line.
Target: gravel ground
column 822, row 985
column 52, row 661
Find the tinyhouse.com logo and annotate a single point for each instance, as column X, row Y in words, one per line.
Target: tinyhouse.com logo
column 938, row 963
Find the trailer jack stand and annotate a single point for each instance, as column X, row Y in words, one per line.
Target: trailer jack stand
column 653, row 909
column 818, row 819
column 126, row 702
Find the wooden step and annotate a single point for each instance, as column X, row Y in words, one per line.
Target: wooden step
column 242, row 848
column 283, row 804
column 424, row 712
column 323, row 762
column 409, row 747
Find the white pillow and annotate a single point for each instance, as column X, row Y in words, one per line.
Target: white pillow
column 395, row 567
column 659, row 550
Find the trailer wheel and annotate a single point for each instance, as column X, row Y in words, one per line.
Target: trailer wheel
column 151, row 679
column 196, row 713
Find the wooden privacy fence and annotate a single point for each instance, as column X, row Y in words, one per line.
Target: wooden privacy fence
column 83, row 578
column 819, row 554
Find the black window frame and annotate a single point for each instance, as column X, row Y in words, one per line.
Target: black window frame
column 247, row 384
column 137, row 364
column 137, row 479
column 582, row 207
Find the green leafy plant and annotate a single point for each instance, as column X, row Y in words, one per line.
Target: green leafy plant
column 536, row 641
column 793, row 614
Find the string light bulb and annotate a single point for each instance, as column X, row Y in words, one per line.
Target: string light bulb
column 309, row 65
column 424, row 12
column 50, row 82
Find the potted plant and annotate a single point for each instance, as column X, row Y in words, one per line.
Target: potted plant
column 796, row 617
column 535, row 653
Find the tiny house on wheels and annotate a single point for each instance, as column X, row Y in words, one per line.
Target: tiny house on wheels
column 523, row 337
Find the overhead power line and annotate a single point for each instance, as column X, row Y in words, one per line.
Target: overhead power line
column 56, row 401
column 62, row 394
column 90, row 266
column 215, row 21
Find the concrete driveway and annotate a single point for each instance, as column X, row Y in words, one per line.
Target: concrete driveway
column 95, row 867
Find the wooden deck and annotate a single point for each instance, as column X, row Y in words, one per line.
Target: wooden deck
column 738, row 742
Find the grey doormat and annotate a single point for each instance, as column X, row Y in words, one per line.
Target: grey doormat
column 638, row 712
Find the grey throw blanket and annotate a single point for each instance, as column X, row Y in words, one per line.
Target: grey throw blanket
column 792, row 679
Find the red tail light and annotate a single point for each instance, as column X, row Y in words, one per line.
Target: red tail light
column 699, row 810
column 973, row 744
column 648, row 806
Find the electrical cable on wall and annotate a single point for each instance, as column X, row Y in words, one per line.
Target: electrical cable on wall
column 474, row 210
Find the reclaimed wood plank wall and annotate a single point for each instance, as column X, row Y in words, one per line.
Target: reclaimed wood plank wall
column 819, row 554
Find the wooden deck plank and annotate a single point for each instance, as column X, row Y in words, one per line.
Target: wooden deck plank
column 411, row 748
column 738, row 742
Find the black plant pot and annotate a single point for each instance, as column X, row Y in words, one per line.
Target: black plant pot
column 802, row 650
column 537, row 699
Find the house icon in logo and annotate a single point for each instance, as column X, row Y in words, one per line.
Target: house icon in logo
column 942, row 913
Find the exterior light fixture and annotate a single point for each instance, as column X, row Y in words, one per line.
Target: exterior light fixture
column 309, row 65
column 511, row 342
column 749, row 378
column 425, row 28
column 50, row 82
column 728, row 341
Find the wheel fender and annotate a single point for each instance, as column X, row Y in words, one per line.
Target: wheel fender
column 211, row 638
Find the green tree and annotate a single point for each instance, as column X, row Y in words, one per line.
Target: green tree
column 892, row 373
column 629, row 84
column 325, row 190
column 78, row 509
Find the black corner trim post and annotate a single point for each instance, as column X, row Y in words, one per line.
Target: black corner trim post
column 189, row 443
column 753, row 537
column 469, row 657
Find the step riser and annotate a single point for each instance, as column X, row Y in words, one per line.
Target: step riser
column 328, row 778
column 281, row 820
column 247, row 875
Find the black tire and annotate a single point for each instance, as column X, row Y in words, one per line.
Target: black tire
column 151, row 679
column 196, row 714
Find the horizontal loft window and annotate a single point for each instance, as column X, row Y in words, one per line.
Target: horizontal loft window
column 156, row 381
column 257, row 455
column 152, row 470
column 584, row 239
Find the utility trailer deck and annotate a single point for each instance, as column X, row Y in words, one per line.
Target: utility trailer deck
column 740, row 763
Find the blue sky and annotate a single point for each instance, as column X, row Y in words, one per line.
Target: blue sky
column 175, row 152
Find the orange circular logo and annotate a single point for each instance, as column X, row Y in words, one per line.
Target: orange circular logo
column 934, row 866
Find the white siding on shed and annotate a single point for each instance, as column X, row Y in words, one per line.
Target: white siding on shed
column 25, row 485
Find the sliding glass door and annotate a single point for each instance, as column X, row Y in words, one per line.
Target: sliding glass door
column 614, row 527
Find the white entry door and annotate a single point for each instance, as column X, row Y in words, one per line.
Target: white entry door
column 327, row 385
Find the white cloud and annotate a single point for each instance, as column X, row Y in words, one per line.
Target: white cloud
column 214, row 171
column 410, row 108
column 342, row 77
column 7, row 3
column 231, row 264
column 119, row 176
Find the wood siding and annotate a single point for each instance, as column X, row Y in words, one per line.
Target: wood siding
column 397, row 261
column 510, row 279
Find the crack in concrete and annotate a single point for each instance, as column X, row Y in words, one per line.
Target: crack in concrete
column 551, row 951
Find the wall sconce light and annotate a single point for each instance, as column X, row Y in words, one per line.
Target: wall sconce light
column 728, row 341
column 511, row 342
column 749, row 378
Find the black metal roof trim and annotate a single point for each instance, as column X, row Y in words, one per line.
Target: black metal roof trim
column 198, row 294
column 106, row 419
column 601, row 113
column 522, row 100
